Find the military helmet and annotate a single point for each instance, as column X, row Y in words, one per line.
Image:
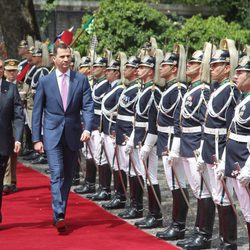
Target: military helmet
column 37, row 49
column 85, row 62
column 220, row 56
column 133, row 62
column 23, row 44
column 114, row 64
column 197, row 56
column 100, row 62
column 170, row 58
column 148, row 61
column 244, row 64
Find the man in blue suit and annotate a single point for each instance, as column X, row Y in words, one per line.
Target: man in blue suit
column 61, row 98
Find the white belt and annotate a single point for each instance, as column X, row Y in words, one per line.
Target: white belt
column 126, row 118
column 196, row 129
column 239, row 138
column 97, row 112
column 141, row 124
column 215, row 131
column 167, row 130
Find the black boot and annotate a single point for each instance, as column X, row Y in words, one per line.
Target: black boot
column 202, row 240
column 119, row 199
column 136, row 200
column 105, row 193
column 188, row 240
column 154, row 218
column 99, row 189
column 177, row 229
column 88, row 186
column 229, row 228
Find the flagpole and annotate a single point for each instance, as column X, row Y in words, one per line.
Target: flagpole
column 83, row 29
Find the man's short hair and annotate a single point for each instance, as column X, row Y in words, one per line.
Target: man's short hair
column 60, row 45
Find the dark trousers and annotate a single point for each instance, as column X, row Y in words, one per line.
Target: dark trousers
column 62, row 162
column 3, row 165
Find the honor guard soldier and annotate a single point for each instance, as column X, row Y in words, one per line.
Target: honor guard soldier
column 192, row 119
column 172, row 69
column 106, row 150
column 85, row 69
column 145, row 133
column 124, row 127
column 238, row 156
column 218, row 118
column 40, row 58
column 99, row 89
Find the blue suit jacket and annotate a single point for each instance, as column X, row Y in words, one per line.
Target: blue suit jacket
column 48, row 101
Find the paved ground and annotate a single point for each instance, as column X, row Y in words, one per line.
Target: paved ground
column 167, row 207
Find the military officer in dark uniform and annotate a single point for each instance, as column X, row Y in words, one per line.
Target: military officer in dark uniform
column 145, row 133
column 237, row 150
column 168, row 124
column 99, row 88
column 110, row 104
column 192, row 119
column 11, row 116
column 219, row 116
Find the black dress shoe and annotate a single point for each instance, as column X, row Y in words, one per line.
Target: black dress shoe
column 39, row 160
column 76, row 181
column 60, row 225
column 91, row 196
column 47, row 171
column 9, row 189
column 25, row 152
column 117, row 202
column 85, row 189
column 104, row 195
column 149, row 222
column 173, row 232
column 131, row 213
column 199, row 241
column 31, row 156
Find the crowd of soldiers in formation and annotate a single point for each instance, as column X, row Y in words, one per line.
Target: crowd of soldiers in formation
column 193, row 113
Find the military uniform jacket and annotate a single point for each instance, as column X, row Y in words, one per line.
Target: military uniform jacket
column 192, row 117
column 29, row 75
column 40, row 72
column 126, row 112
column 146, row 112
column 218, row 118
column 168, row 121
column 99, row 89
column 239, row 134
column 110, row 104
column 11, row 114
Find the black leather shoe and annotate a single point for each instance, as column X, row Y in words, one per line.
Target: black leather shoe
column 25, row 152
column 39, row 160
column 131, row 213
column 85, row 189
column 199, row 242
column 185, row 242
column 9, row 189
column 104, row 195
column 149, row 222
column 116, row 203
column 60, row 225
column 173, row 232
column 76, row 181
column 31, row 156
column 47, row 171
column 91, row 196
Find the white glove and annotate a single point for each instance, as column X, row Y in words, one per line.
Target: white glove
column 130, row 143
column 220, row 168
column 200, row 166
column 244, row 176
column 148, row 145
column 175, row 149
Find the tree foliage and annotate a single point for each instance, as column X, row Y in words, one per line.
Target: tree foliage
column 126, row 25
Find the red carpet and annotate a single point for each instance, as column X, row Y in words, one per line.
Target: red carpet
column 27, row 219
